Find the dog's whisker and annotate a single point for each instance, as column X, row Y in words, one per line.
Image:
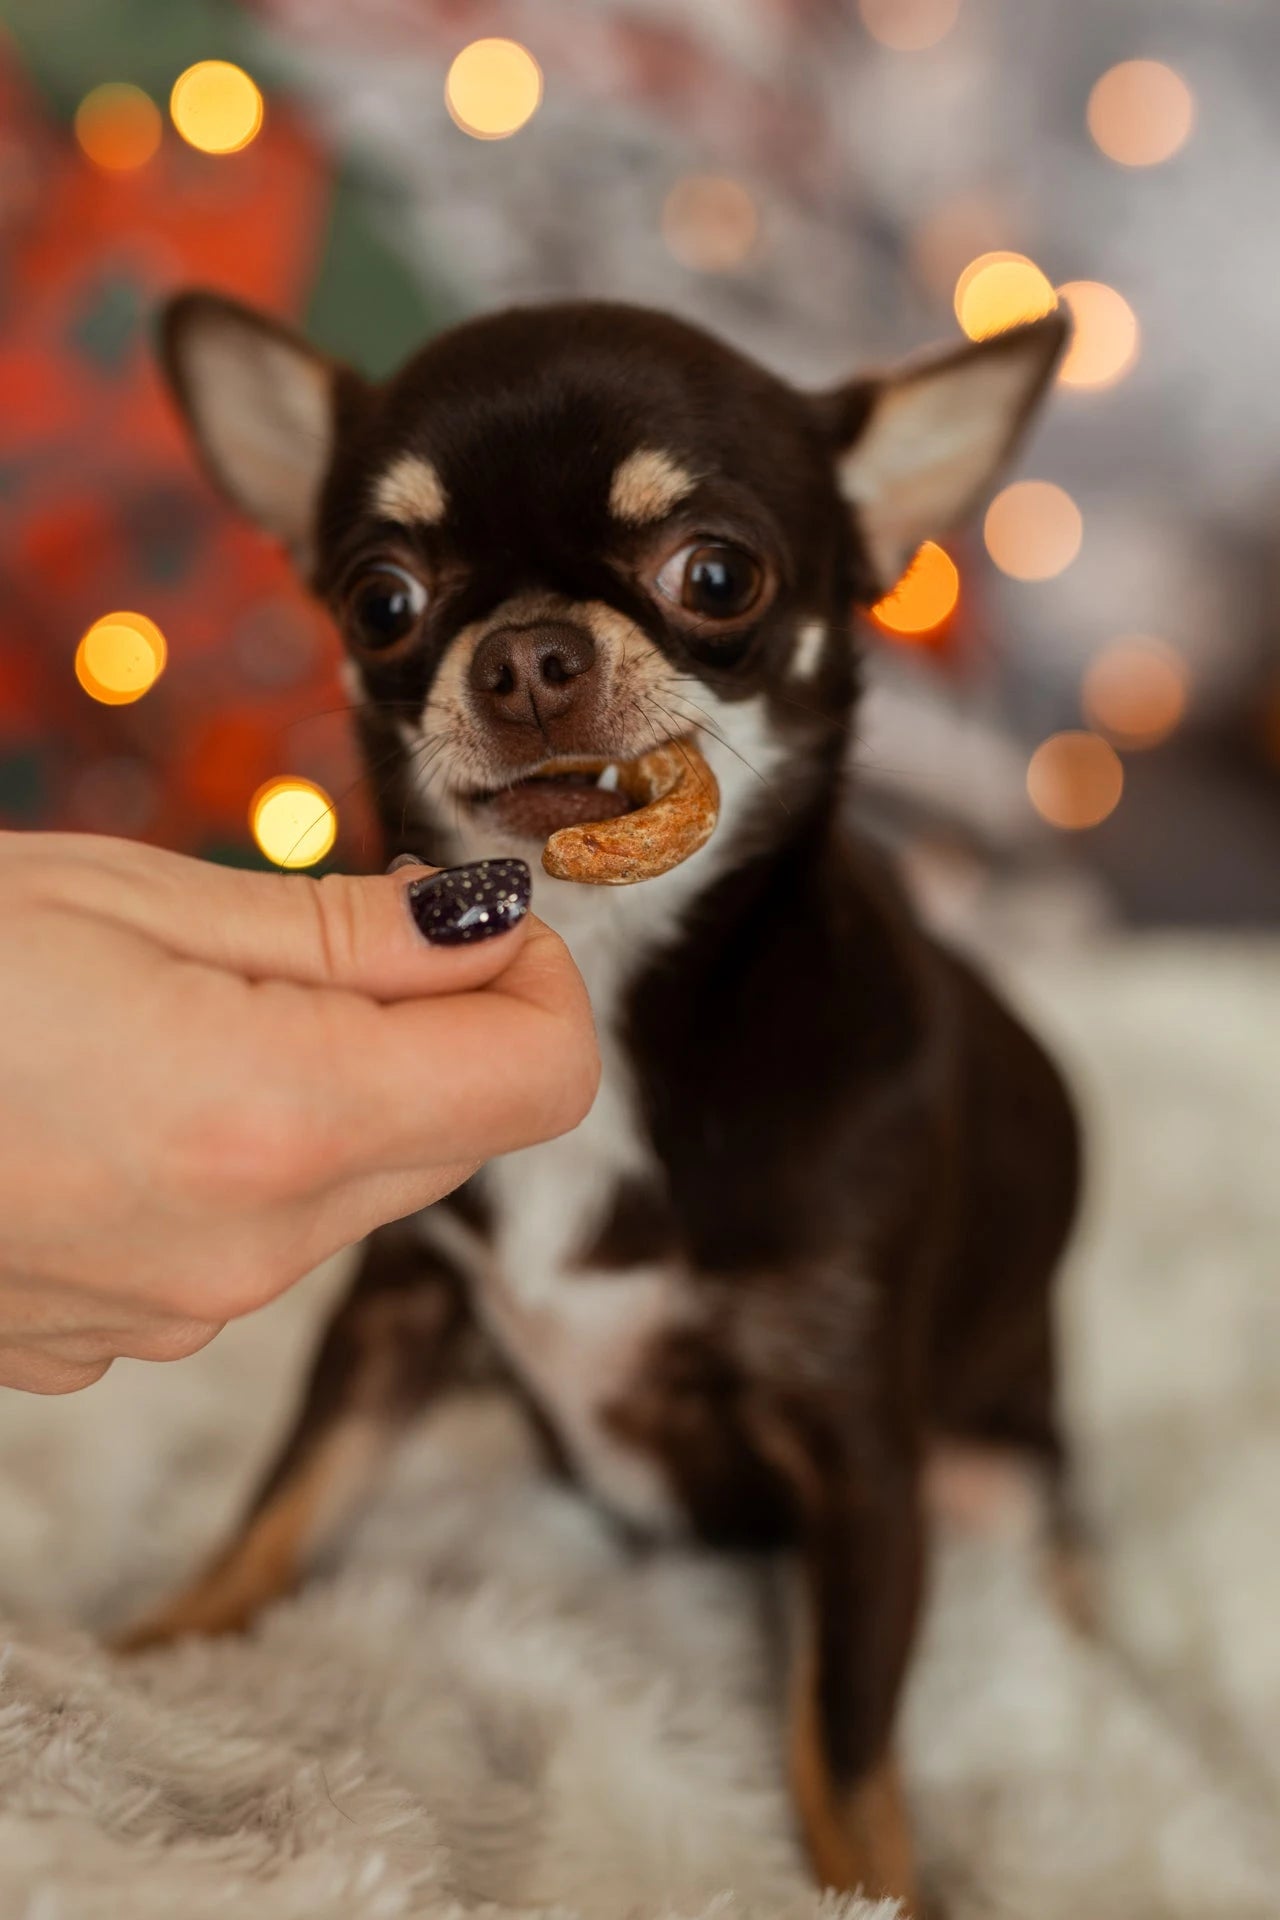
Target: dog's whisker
column 718, row 735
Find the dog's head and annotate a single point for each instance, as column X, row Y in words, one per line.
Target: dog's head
column 574, row 532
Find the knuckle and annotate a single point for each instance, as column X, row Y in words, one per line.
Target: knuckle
column 174, row 1340
column 256, row 1146
column 340, row 924
column 238, row 1283
column 46, row 1374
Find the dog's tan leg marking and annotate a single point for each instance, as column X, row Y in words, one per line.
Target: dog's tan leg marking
column 269, row 1557
column 857, row 1837
column 386, row 1353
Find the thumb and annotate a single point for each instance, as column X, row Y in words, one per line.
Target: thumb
column 418, row 930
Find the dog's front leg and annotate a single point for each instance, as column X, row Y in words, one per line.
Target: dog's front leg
column 858, row 1591
column 386, row 1353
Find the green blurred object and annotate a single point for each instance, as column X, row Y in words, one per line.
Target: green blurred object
column 68, row 46
column 366, row 306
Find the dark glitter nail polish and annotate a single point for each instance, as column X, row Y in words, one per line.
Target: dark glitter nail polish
column 462, row 904
column 405, row 860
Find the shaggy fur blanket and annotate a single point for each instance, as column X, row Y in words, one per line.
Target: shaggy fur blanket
column 483, row 1703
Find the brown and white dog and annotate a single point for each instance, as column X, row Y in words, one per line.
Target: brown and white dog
column 810, row 1225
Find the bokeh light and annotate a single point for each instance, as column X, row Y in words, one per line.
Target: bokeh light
column 120, row 658
column 118, row 126
column 216, row 107
column 924, row 597
column 1075, row 780
column 493, row 88
column 908, row 26
column 710, row 222
column 1104, row 341
column 1140, row 113
column 1135, row 691
column 999, row 290
column 954, row 234
column 1033, row 530
column 294, row 822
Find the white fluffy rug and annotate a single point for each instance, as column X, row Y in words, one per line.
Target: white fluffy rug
column 486, row 1705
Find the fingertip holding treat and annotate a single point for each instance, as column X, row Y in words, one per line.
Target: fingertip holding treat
column 403, row 860
column 461, row 905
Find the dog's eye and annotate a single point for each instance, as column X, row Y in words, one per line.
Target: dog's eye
column 713, row 581
column 386, row 606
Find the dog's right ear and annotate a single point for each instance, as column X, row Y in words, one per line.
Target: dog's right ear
column 259, row 404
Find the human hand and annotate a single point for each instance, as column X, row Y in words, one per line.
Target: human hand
column 210, row 1080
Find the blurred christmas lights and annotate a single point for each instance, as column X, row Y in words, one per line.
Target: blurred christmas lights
column 1075, row 780
column 1135, row 691
column 957, row 231
column 120, row 658
column 493, row 88
column 216, row 107
column 1140, row 113
column 1104, row 342
column 999, row 290
column 710, row 222
column 908, row 26
column 1033, row 530
column 924, row 597
column 293, row 821
column 118, row 126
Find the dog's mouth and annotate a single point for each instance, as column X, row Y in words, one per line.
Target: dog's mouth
column 611, row 822
column 568, row 792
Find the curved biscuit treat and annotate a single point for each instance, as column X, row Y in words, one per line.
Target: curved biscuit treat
column 677, row 805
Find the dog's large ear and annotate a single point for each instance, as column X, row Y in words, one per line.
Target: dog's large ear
column 259, row 404
column 916, row 448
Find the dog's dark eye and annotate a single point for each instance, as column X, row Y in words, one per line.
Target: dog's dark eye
column 715, row 582
column 386, row 607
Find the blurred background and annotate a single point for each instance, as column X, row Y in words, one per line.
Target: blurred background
column 1076, row 702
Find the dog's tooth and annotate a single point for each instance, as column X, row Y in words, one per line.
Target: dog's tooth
column 609, row 779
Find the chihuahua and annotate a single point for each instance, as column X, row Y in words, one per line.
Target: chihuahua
column 809, row 1228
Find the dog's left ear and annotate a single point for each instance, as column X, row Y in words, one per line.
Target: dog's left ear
column 260, row 404
column 916, row 448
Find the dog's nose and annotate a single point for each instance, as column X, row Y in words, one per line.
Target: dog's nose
column 532, row 674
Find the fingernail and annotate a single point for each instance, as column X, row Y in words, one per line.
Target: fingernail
column 405, row 860
column 462, row 904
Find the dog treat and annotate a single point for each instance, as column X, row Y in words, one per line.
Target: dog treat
column 676, row 803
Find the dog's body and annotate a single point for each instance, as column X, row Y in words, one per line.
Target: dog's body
column 812, row 1220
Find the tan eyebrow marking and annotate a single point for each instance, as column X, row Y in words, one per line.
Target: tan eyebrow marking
column 410, row 489
column 646, row 485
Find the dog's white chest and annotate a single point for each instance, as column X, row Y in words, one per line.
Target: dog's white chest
column 578, row 1337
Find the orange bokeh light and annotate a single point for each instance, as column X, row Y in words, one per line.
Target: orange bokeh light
column 1140, row 112
column 1136, row 690
column 1104, row 343
column 1033, row 530
column 1075, row 780
column 120, row 658
column 294, row 822
column 493, row 88
column 216, row 107
column 710, row 222
column 118, row 126
column 953, row 236
column 925, row 596
column 908, row 26
column 999, row 290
